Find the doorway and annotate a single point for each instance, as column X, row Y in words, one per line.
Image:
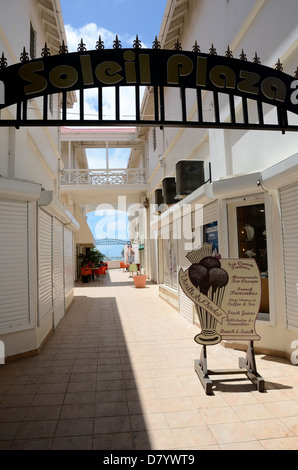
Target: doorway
column 248, row 239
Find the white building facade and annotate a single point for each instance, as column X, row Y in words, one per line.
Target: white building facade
column 37, row 231
column 246, row 202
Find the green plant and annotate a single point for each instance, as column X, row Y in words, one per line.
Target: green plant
column 91, row 258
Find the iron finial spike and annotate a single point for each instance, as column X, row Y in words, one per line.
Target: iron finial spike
column 63, row 49
column 137, row 43
column 278, row 66
column 99, row 44
column 81, row 46
column 242, row 55
column 212, row 50
column 228, row 53
column 3, row 61
column 196, row 47
column 177, row 45
column 156, row 44
column 45, row 52
column 117, row 43
column 256, row 59
column 24, row 56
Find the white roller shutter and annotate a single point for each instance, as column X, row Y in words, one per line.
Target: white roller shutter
column 210, row 213
column 14, row 263
column 45, row 278
column 68, row 266
column 289, row 215
column 184, row 247
column 58, row 271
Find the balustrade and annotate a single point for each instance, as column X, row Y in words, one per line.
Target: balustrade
column 115, row 176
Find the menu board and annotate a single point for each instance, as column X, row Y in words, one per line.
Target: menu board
column 241, row 300
column 226, row 294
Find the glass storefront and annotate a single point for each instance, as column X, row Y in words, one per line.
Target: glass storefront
column 251, row 226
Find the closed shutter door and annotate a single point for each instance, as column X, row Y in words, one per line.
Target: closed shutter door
column 45, row 278
column 289, row 215
column 68, row 266
column 58, row 275
column 184, row 247
column 210, row 213
column 14, row 264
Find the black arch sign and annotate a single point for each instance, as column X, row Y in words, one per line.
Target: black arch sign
column 157, row 69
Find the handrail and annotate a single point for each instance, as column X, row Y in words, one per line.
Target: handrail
column 116, row 176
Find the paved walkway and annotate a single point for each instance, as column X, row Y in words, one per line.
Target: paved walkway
column 118, row 374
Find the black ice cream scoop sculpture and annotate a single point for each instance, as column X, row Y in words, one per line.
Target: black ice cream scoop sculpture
column 210, row 279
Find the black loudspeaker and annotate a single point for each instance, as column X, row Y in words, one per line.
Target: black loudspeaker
column 169, row 190
column 189, row 176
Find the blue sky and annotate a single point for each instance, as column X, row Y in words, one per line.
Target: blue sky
column 126, row 18
column 88, row 19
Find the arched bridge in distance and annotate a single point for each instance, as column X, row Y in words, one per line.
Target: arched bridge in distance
column 110, row 241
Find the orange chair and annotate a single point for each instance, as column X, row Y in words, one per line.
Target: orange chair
column 102, row 271
column 86, row 272
column 123, row 265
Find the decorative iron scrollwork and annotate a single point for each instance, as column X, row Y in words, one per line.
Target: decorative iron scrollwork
column 99, row 44
column 117, row 43
column 45, row 52
column 24, row 56
column 137, row 43
column 3, row 61
column 63, row 49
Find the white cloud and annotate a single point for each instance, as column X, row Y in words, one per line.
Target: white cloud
column 90, row 35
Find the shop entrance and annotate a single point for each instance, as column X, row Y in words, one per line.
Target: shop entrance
column 248, row 239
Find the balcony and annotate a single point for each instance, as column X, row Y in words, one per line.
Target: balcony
column 87, row 186
column 102, row 177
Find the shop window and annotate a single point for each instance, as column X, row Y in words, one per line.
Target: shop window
column 210, row 235
column 252, row 243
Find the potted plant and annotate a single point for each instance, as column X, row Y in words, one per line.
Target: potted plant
column 90, row 260
column 140, row 280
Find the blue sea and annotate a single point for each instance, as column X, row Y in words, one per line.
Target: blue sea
column 112, row 252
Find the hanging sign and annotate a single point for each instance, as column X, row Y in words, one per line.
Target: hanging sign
column 146, row 67
column 226, row 294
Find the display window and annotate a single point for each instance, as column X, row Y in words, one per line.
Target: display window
column 248, row 239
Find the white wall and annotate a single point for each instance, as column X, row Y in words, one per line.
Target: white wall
column 270, row 28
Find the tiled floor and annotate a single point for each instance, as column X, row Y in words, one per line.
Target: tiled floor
column 118, row 373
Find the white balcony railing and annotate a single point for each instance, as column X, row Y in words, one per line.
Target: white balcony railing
column 113, row 177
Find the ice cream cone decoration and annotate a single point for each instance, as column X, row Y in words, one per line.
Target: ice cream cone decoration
column 206, row 275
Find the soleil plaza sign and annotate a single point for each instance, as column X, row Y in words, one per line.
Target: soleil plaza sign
column 146, row 67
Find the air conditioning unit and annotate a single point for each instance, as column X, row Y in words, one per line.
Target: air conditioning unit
column 169, row 190
column 158, row 200
column 158, row 197
column 189, row 176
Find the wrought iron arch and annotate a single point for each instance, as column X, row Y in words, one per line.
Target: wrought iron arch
column 158, row 69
